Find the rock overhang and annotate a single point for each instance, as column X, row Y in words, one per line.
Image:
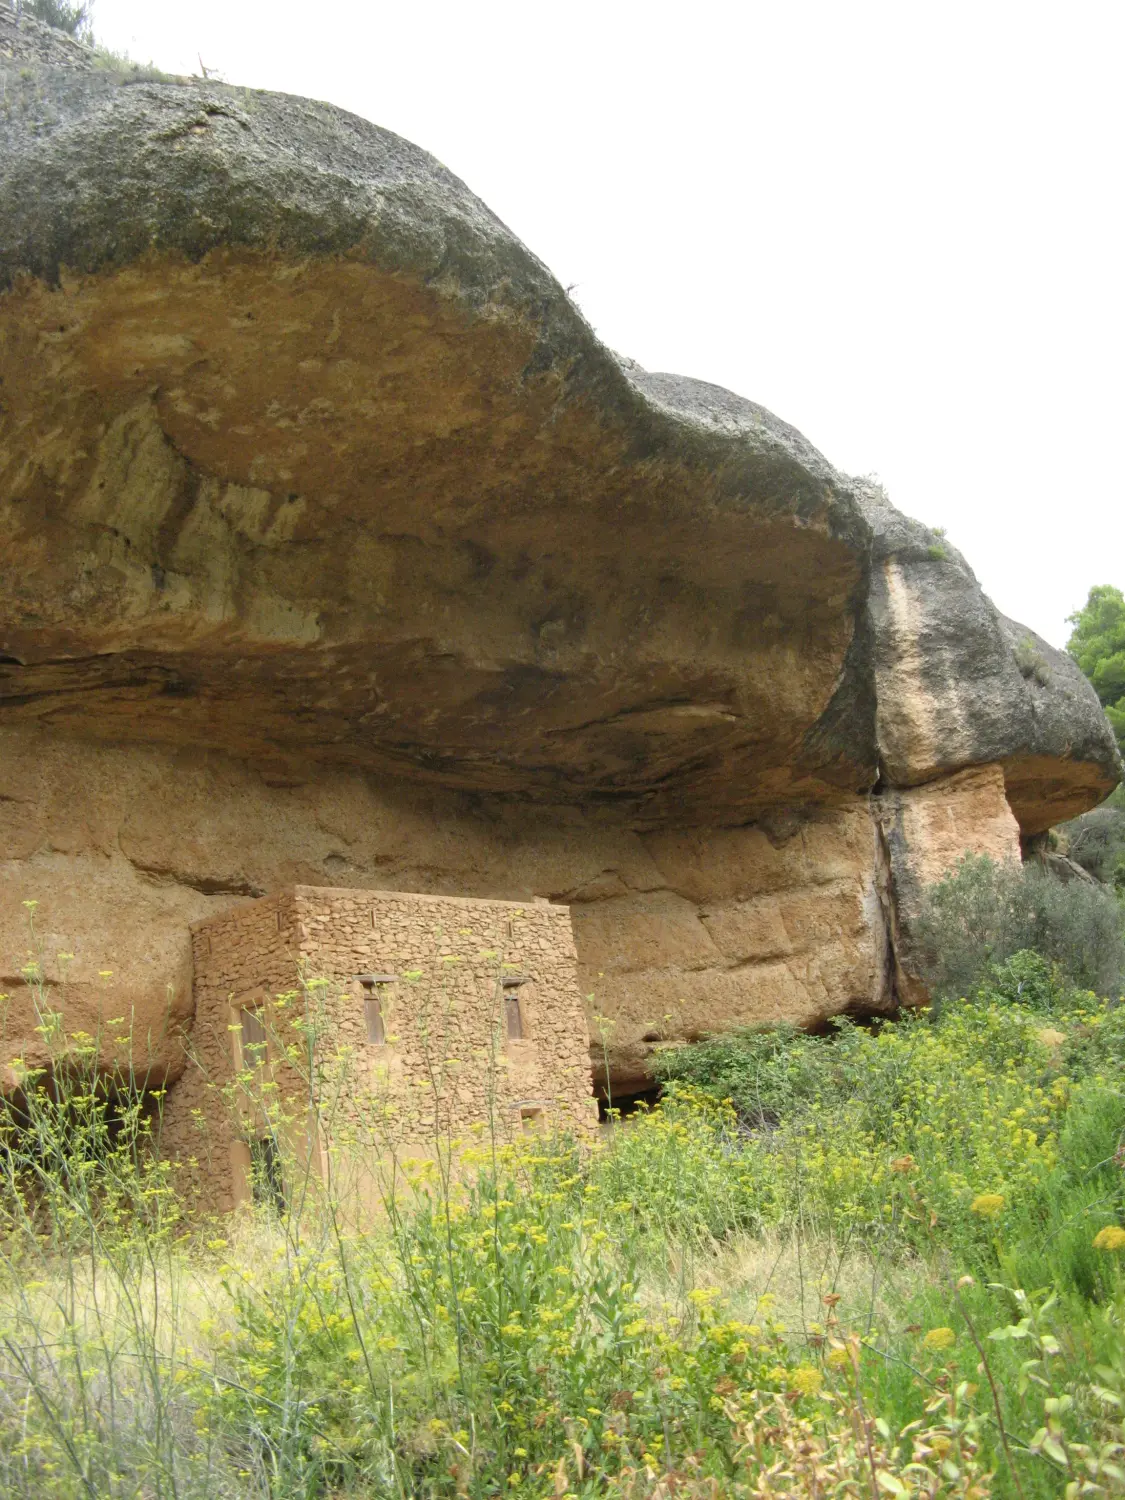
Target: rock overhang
column 334, row 546
column 305, row 457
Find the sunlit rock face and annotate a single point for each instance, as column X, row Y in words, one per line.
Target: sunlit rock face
column 335, row 548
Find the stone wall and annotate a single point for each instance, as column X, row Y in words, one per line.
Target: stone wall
column 446, row 1062
column 249, row 951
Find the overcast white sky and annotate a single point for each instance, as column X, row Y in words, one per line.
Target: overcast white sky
column 899, row 226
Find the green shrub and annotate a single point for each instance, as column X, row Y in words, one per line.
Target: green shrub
column 984, row 1141
column 983, row 913
column 897, row 1130
column 1097, row 644
column 673, row 1174
column 1050, row 1239
column 1031, row 661
column 765, row 1072
column 1096, row 841
column 1025, row 979
column 486, row 1337
column 496, row 1335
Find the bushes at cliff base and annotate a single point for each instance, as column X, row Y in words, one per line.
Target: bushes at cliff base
column 983, row 913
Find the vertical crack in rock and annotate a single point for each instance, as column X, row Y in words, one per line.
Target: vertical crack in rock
column 885, row 931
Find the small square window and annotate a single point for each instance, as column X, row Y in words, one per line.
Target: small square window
column 533, row 1116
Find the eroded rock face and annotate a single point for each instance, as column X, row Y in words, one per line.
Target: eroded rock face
column 959, row 684
column 678, row 933
column 402, row 571
column 24, row 39
column 335, row 548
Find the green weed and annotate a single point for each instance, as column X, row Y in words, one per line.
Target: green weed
column 884, row 1262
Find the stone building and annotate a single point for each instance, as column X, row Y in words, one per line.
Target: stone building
column 340, row 1028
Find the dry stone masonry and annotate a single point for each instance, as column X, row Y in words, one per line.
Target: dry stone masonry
column 409, row 1019
column 336, row 551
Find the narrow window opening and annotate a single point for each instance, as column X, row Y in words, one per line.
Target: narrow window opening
column 374, row 991
column 533, row 1117
column 373, row 1012
column 254, row 1044
column 267, row 1181
column 513, row 1016
column 513, row 1010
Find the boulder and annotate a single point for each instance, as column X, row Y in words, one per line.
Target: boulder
column 333, row 543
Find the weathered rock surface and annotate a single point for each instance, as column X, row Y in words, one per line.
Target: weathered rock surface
column 335, row 548
column 24, row 39
column 678, row 932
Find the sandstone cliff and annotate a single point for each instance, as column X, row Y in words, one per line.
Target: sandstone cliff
column 335, row 548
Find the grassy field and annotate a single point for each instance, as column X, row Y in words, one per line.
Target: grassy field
column 886, row 1262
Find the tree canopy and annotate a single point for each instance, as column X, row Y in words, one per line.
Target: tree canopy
column 1097, row 644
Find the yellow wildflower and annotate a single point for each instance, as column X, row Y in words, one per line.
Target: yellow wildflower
column 1112, row 1237
column 987, row 1205
column 939, row 1338
column 807, row 1379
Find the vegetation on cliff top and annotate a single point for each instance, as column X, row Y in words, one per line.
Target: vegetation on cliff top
column 1096, row 839
column 1097, row 644
column 71, row 16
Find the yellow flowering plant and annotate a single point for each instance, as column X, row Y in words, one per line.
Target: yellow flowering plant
column 545, row 1318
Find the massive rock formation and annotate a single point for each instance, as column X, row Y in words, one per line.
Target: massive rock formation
column 335, row 548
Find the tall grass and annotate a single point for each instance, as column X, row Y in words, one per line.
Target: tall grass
column 983, row 1150
column 880, row 1265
